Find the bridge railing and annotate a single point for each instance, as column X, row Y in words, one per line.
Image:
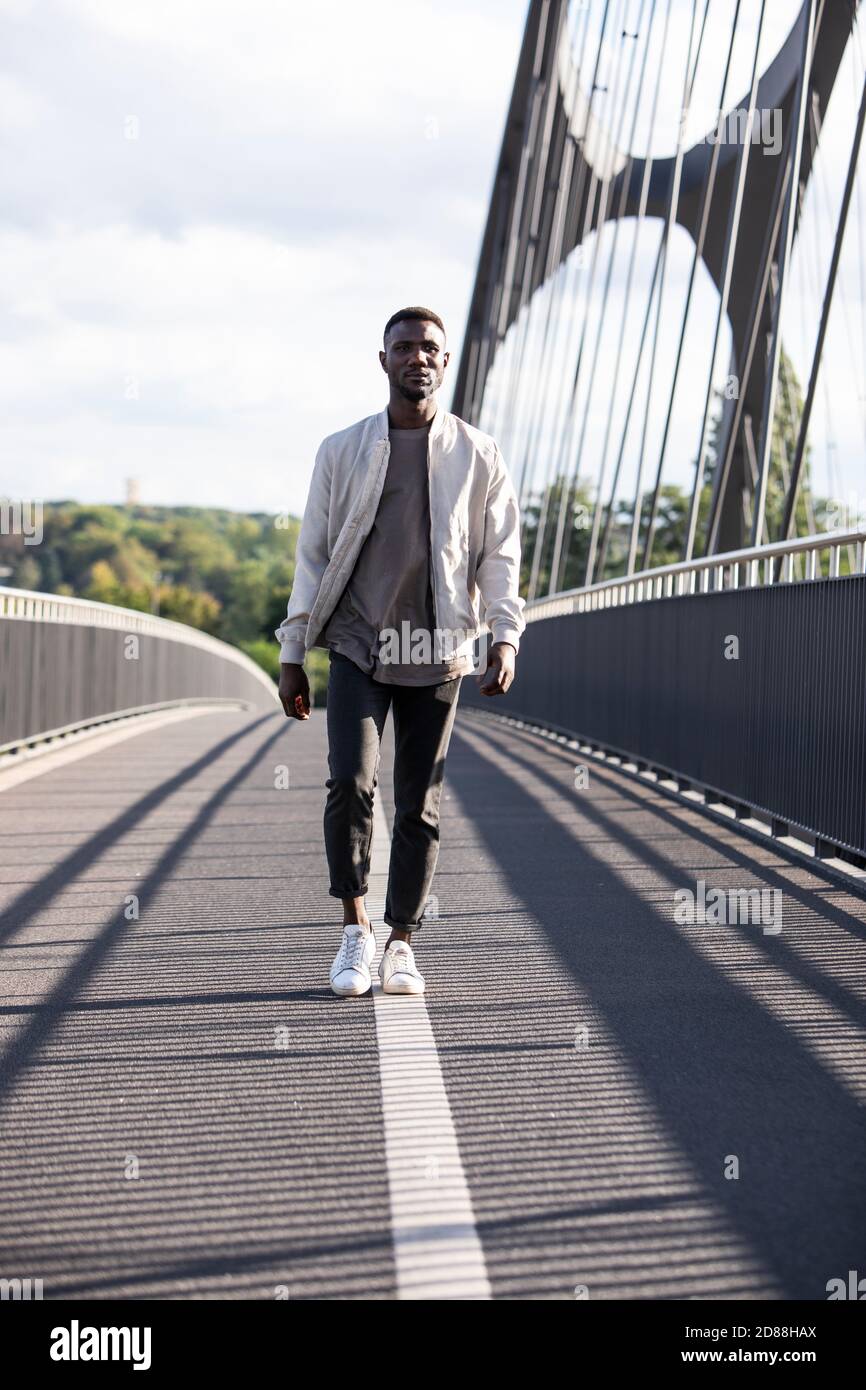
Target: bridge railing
column 756, row 567
column 67, row 663
column 725, row 674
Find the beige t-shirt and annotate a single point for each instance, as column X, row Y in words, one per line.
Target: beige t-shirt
column 391, row 583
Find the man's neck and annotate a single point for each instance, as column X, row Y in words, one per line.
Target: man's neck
column 411, row 415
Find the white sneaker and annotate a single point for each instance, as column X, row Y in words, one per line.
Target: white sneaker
column 398, row 972
column 350, row 973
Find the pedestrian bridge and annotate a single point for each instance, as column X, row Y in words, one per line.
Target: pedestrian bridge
column 640, row 1065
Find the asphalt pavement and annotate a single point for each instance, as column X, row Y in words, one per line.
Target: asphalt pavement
column 594, row 1100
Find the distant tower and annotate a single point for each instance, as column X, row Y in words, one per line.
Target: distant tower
column 133, row 492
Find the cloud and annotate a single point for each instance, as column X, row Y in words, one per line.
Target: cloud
column 208, row 215
column 209, row 210
column 209, row 365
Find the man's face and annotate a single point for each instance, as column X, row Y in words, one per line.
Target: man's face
column 415, row 358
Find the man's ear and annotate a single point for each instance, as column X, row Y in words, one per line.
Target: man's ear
column 382, row 361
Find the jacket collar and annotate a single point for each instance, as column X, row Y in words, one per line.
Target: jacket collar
column 437, row 424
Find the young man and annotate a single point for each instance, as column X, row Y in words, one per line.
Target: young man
column 411, row 516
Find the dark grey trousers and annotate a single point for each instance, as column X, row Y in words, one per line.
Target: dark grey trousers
column 423, row 718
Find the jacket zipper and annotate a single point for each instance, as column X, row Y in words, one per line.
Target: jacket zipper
column 432, row 564
column 337, row 557
column 445, row 660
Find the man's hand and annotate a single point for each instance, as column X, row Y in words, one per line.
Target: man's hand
column 294, row 690
column 500, row 669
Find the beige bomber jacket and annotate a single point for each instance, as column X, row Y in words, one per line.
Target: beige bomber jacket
column 474, row 533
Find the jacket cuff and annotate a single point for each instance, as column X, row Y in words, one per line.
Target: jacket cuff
column 503, row 631
column 292, row 651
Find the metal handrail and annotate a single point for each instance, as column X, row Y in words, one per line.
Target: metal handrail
column 56, row 608
column 715, row 573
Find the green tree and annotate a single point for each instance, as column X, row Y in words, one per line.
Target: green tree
column 247, row 600
column 26, row 573
column 191, row 606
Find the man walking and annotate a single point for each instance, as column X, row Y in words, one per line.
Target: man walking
column 411, row 516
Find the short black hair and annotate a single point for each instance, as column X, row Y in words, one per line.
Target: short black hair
column 415, row 312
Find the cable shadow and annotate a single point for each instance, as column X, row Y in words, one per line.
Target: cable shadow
column 724, row 1076
column 735, row 849
column 22, row 908
column 46, row 1016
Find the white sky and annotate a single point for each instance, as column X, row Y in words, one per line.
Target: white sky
column 198, row 305
column 300, row 172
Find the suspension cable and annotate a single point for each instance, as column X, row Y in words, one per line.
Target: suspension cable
column 724, row 288
column 571, row 479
